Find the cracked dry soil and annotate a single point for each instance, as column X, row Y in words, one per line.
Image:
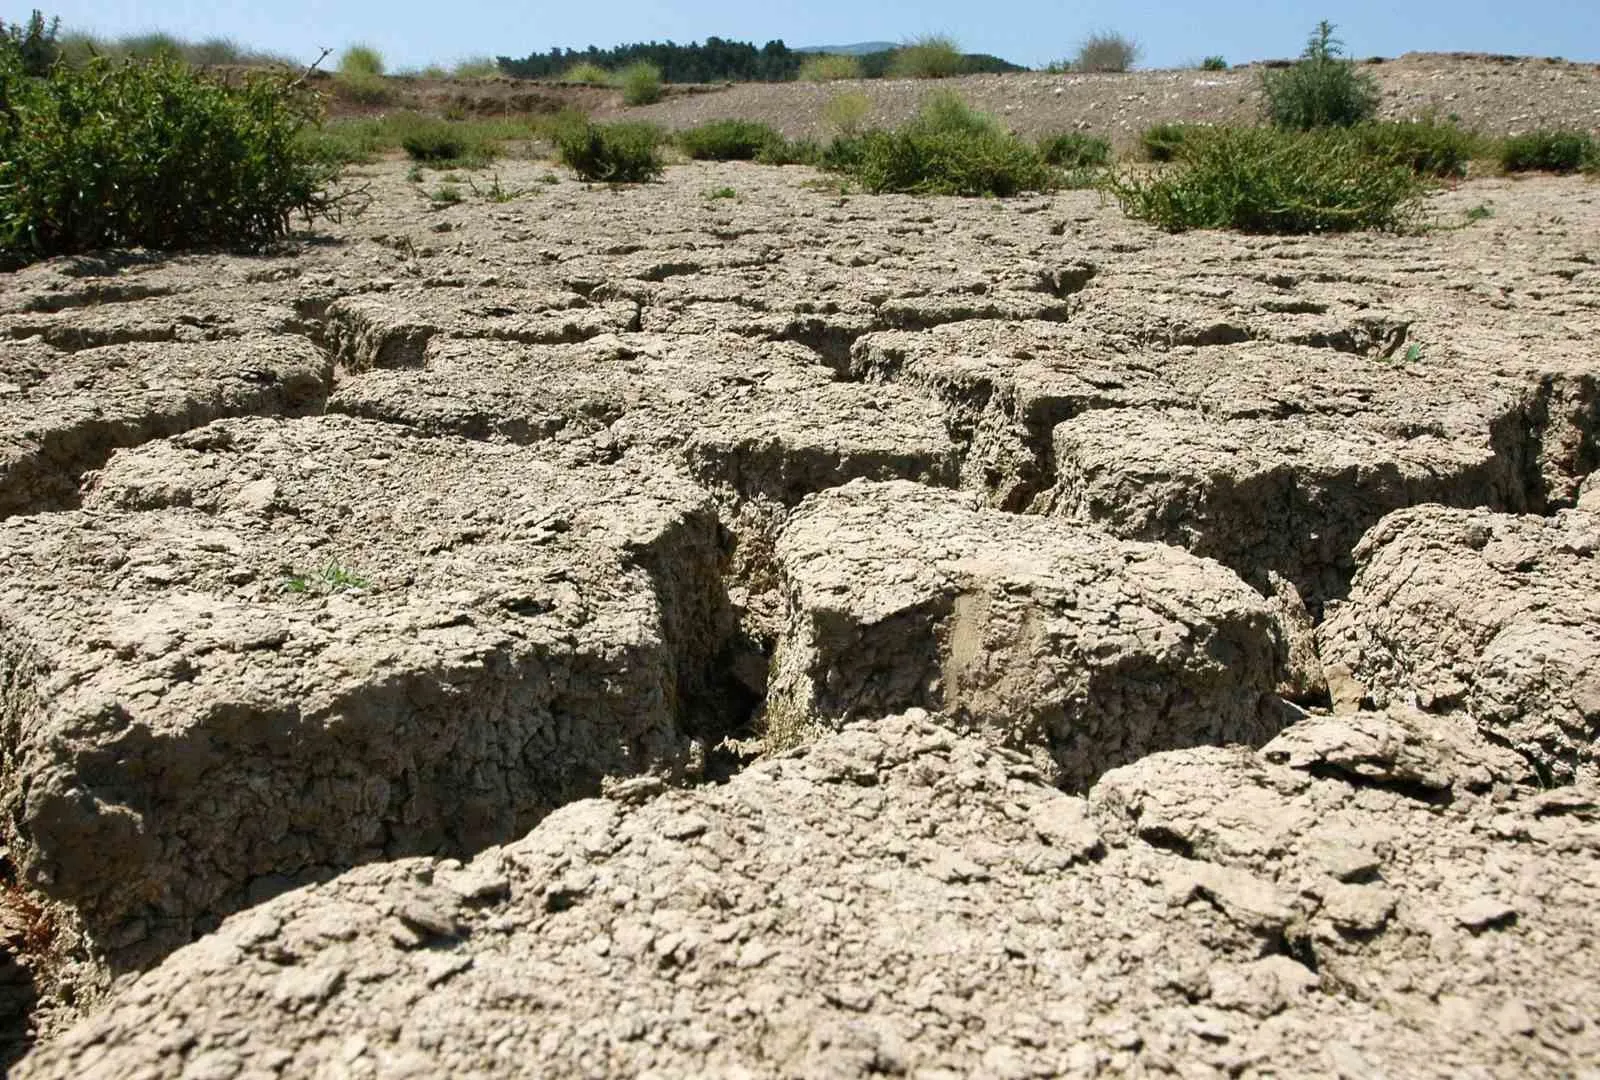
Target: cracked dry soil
column 1178, row 654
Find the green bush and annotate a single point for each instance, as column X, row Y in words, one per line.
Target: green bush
column 151, row 155
column 1106, row 52
column 359, row 60
column 830, row 67
column 1214, row 63
column 1426, row 147
column 1263, row 180
column 475, row 67
column 440, row 142
column 152, row 46
column 587, row 74
column 731, row 140
column 1164, row 142
column 36, row 44
column 1549, row 151
column 640, row 83
column 946, row 149
column 931, row 56
column 845, row 113
column 1321, row 89
column 1075, row 150
column 366, row 89
column 611, row 153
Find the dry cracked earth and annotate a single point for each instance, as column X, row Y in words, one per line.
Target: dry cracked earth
column 629, row 632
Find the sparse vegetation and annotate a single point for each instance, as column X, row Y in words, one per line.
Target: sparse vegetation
column 830, row 67
column 1321, row 90
column 625, row 153
column 732, row 140
column 150, row 155
column 445, row 195
column 330, row 579
column 1214, row 63
column 1075, row 150
column 1269, row 181
column 475, row 67
column 947, row 149
column 587, row 74
column 721, row 193
column 932, row 56
column 640, row 83
column 1550, row 151
column 1163, row 142
column 1106, row 51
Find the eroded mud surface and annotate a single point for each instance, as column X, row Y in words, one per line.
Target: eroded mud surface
column 376, row 551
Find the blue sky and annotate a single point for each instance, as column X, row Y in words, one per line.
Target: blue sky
column 411, row 33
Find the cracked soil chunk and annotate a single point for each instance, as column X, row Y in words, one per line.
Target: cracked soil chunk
column 1058, row 639
column 1494, row 614
column 268, row 648
column 901, row 899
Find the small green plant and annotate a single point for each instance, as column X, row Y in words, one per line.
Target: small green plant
column 721, row 193
column 1164, row 142
column 1213, row 63
column 496, row 192
column 1413, row 353
column 549, row 178
column 36, row 43
column 611, row 153
column 932, row 56
column 1267, row 181
column 475, row 67
column 846, row 113
column 153, row 155
column 640, row 83
column 414, row 174
column 1426, row 147
column 1320, row 90
column 731, row 140
column 1549, row 151
column 1481, row 212
column 587, row 74
column 830, row 67
column 1075, row 150
column 1106, row 51
column 361, row 60
column 440, row 142
column 946, row 149
column 445, row 195
column 330, row 579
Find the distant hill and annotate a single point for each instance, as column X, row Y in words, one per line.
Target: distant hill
column 862, row 48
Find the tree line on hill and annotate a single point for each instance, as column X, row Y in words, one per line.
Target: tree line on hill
column 717, row 60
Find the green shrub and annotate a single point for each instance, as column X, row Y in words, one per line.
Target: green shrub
column 730, row 140
column 359, row 60
column 366, row 89
column 152, row 155
column 440, row 142
column 1426, row 147
column 946, row 149
column 845, row 113
column 36, row 43
column 1163, row 142
column 587, row 74
column 152, row 46
column 931, row 56
column 1267, row 181
column 1321, row 89
column 1549, row 151
column 1213, row 63
column 611, row 153
column 1075, row 150
column 830, row 67
column 640, row 83
column 1105, row 52
column 475, row 67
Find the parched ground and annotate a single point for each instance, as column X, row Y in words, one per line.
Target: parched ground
column 1492, row 95
column 607, row 631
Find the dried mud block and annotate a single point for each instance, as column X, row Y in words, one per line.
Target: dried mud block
column 392, row 330
column 268, row 648
column 900, row 899
column 63, row 414
column 1494, row 614
column 1289, row 496
column 762, row 419
column 1084, row 650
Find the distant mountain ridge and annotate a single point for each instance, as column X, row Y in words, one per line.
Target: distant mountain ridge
column 861, row 48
